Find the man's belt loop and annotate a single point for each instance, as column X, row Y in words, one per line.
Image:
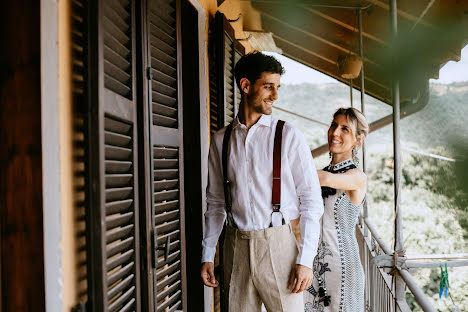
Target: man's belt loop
column 276, row 190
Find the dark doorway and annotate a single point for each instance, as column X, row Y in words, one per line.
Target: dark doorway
column 192, row 153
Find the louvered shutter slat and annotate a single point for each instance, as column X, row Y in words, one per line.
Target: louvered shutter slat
column 116, row 72
column 119, row 220
column 163, row 237
column 163, row 47
column 166, row 206
column 229, row 79
column 120, row 233
column 158, row 22
column 128, row 307
column 121, row 51
column 174, row 251
column 169, row 290
column 121, row 286
column 163, row 67
column 118, row 180
column 112, row 29
column 122, row 300
column 119, row 274
column 117, row 34
column 167, row 227
column 119, row 206
column 162, row 35
column 163, row 78
column 113, row 166
column 119, row 247
column 166, row 195
column 166, row 217
column 123, row 259
column 164, row 94
column 162, row 56
column 167, row 280
column 119, row 193
column 168, row 270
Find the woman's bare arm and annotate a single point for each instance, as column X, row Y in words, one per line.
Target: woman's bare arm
column 351, row 180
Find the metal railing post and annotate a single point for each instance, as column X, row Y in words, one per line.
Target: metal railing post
column 398, row 247
column 363, row 107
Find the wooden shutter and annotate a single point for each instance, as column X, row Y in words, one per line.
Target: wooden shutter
column 114, row 237
column 166, row 136
column 225, row 98
column 228, row 51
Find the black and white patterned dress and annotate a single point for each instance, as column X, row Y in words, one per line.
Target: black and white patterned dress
column 338, row 275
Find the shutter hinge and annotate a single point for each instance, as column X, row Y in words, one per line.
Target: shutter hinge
column 149, row 73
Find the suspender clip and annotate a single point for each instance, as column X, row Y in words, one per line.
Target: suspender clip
column 276, row 208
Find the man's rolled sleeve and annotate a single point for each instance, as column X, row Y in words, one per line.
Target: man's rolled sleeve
column 215, row 214
column 310, row 198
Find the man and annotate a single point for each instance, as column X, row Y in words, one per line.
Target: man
column 263, row 262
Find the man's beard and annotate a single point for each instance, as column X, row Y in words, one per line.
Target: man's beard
column 259, row 108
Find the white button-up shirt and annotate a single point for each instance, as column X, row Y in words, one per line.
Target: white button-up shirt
column 250, row 170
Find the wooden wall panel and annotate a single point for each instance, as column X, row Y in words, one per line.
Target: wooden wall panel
column 21, row 236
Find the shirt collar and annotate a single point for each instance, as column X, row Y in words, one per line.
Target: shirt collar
column 265, row 120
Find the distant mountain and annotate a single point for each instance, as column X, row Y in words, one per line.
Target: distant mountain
column 441, row 123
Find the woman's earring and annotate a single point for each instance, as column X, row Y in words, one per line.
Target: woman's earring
column 355, row 158
column 330, row 155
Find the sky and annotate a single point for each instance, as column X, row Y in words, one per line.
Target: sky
column 298, row 73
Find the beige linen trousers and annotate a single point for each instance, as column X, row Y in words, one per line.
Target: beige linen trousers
column 257, row 268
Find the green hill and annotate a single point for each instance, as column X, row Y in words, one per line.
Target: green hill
column 445, row 118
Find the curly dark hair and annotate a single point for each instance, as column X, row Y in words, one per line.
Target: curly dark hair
column 253, row 64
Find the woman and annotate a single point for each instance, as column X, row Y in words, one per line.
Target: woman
column 338, row 275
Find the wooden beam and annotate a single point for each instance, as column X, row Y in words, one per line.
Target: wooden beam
column 402, row 13
column 334, row 75
column 319, row 38
column 343, row 24
column 308, row 42
column 329, row 71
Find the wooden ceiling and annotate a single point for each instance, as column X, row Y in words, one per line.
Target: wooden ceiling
column 432, row 32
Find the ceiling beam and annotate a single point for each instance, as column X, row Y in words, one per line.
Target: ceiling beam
column 345, row 25
column 319, row 38
column 334, row 75
column 406, row 15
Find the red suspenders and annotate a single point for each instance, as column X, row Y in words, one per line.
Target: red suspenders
column 276, row 189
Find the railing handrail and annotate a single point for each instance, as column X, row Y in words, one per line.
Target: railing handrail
column 416, row 291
